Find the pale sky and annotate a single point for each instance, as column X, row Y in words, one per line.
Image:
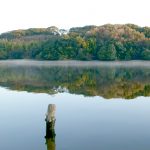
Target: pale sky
column 22, row 14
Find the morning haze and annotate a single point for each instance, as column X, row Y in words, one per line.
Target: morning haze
column 74, row 75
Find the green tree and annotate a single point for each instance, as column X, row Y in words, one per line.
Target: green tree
column 107, row 52
column 146, row 54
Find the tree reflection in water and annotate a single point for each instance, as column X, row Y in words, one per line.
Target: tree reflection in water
column 108, row 82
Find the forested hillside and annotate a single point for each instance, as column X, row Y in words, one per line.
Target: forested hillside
column 107, row 42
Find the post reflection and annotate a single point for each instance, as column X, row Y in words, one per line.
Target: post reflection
column 50, row 127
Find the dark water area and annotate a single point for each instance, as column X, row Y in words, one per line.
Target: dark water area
column 74, row 108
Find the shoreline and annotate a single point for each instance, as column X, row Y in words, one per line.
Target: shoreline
column 74, row 63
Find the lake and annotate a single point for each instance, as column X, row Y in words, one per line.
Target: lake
column 97, row 106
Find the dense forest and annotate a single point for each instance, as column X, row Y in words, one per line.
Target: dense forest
column 107, row 42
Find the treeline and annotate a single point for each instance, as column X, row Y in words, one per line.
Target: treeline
column 107, row 42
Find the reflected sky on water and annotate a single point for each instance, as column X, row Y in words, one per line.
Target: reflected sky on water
column 81, row 122
column 96, row 108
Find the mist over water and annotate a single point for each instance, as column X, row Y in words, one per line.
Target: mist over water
column 89, row 107
column 112, row 81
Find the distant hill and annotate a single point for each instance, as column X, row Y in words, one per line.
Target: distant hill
column 107, row 42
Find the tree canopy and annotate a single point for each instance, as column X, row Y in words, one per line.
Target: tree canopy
column 107, row 42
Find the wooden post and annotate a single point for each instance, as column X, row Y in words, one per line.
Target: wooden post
column 50, row 127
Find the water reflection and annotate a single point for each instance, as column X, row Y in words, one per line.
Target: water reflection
column 50, row 127
column 108, row 82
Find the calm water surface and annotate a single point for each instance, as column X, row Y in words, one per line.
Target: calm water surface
column 96, row 108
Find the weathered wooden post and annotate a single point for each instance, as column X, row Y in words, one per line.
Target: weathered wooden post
column 50, row 127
